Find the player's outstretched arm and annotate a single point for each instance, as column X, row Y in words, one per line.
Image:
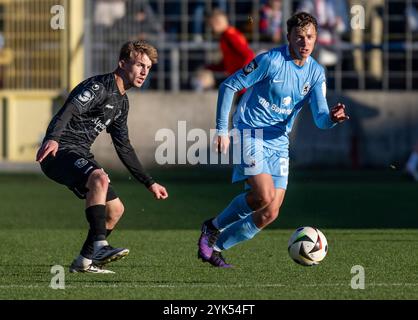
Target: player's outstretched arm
column 337, row 113
column 160, row 193
column 324, row 117
column 49, row 146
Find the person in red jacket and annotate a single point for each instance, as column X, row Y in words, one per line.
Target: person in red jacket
column 236, row 53
column 235, row 50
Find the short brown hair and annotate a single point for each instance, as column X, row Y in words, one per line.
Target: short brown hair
column 301, row 20
column 130, row 48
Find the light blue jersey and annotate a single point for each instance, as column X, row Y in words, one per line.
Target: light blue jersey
column 277, row 90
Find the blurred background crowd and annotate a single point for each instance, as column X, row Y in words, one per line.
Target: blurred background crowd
column 380, row 53
column 368, row 47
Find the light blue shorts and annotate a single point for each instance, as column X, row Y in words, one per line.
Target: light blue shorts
column 255, row 158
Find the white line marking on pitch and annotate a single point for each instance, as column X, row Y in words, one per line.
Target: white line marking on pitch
column 173, row 286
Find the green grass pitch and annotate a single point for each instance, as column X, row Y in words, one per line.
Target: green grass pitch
column 369, row 219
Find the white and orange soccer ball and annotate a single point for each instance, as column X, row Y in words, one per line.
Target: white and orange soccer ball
column 307, row 246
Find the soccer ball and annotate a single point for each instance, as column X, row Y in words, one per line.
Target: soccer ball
column 307, row 246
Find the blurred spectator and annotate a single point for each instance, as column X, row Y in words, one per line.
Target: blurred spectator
column 374, row 32
column 197, row 8
column 203, row 80
column 412, row 17
column 140, row 24
column 172, row 19
column 331, row 16
column 412, row 163
column 271, row 21
column 236, row 52
column 107, row 12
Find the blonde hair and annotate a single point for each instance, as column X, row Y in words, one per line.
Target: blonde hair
column 131, row 48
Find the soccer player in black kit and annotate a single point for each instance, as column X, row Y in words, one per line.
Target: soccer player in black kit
column 98, row 103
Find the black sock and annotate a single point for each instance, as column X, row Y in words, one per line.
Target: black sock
column 96, row 216
column 88, row 246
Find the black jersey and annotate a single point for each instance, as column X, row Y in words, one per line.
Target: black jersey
column 94, row 105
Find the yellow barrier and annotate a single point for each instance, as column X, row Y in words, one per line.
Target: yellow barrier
column 37, row 63
column 24, row 116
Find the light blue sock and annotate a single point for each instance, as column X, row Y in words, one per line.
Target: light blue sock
column 241, row 230
column 236, row 210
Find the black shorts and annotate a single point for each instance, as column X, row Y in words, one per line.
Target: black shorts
column 73, row 170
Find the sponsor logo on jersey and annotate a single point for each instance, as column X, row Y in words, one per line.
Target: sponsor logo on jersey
column 100, row 126
column 278, row 80
column 84, row 97
column 95, row 87
column 306, row 88
column 273, row 106
column 279, row 110
column 80, row 163
column 286, row 101
column 109, row 106
column 250, row 67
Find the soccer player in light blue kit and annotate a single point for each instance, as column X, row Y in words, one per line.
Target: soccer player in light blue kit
column 279, row 83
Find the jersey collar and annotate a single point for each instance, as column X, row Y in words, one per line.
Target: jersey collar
column 290, row 56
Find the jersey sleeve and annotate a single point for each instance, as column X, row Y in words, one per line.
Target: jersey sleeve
column 319, row 105
column 80, row 100
column 118, row 130
column 257, row 70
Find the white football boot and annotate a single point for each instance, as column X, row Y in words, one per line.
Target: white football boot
column 91, row 268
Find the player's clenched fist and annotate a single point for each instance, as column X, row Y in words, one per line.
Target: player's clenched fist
column 337, row 113
column 159, row 191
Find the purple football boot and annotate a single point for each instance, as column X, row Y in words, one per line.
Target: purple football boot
column 207, row 240
column 217, row 260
